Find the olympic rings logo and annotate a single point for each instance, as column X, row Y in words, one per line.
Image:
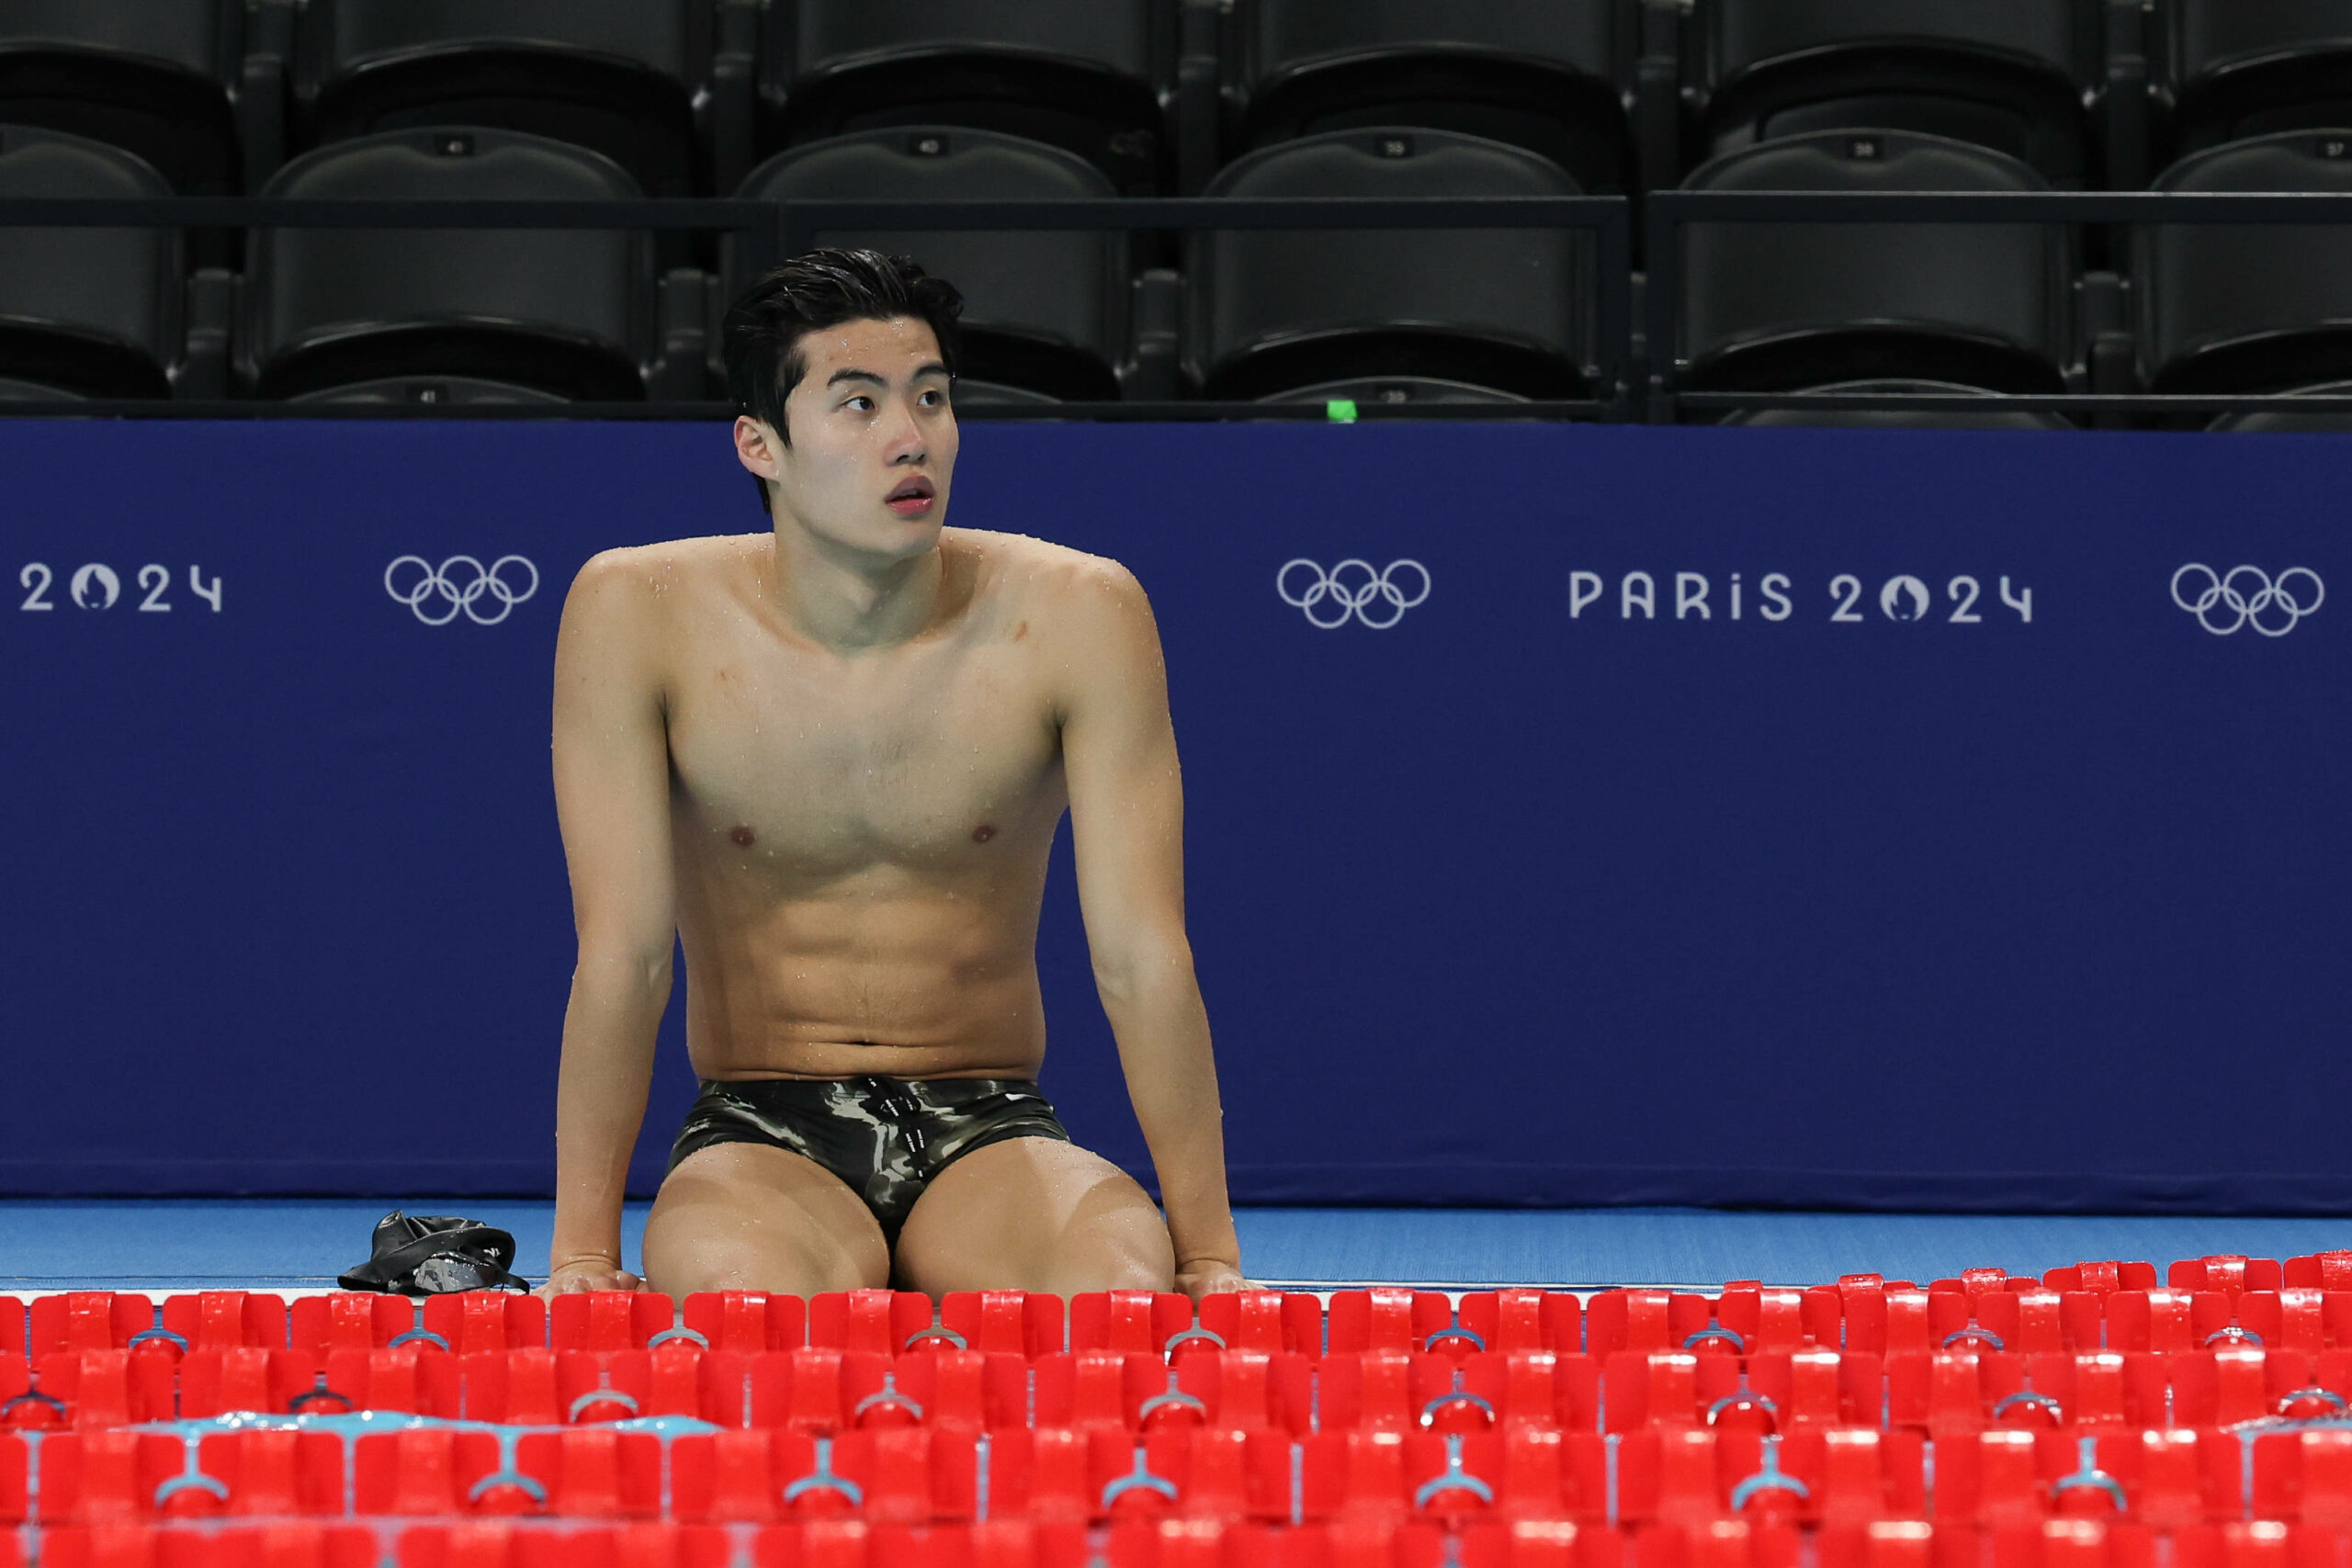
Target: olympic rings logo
column 1351, row 591
column 462, row 582
column 2246, row 596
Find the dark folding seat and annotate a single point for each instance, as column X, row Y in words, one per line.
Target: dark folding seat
column 149, row 76
column 92, row 312
column 2239, row 309
column 1276, row 311
column 1993, row 417
column 1045, row 314
column 2286, row 419
column 562, row 311
column 1778, row 307
column 2244, row 68
column 1392, row 392
column 429, row 391
column 618, row 76
column 2008, row 75
column 987, row 393
column 1542, row 74
column 1084, row 75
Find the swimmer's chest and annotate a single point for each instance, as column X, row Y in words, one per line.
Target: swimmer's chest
column 930, row 754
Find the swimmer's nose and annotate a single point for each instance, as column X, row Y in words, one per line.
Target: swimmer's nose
column 906, row 440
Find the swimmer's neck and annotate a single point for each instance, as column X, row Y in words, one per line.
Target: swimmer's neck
column 850, row 600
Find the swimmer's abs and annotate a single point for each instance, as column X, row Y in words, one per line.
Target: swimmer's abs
column 821, row 1020
column 873, row 1065
column 815, row 1060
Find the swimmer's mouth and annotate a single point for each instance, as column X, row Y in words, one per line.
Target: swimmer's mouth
column 912, row 498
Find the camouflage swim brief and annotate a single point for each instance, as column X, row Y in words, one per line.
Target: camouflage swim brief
column 885, row 1137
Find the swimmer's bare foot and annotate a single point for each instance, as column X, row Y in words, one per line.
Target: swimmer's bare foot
column 1210, row 1277
column 588, row 1274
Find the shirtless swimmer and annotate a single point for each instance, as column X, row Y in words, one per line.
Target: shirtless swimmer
column 830, row 760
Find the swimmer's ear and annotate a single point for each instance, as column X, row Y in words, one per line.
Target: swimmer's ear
column 758, row 448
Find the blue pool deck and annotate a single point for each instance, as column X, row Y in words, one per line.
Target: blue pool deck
column 301, row 1244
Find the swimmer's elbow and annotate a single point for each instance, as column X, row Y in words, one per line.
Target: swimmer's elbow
column 624, row 972
column 1133, row 971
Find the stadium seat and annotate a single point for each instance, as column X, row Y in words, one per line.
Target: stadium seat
column 1993, row 417
column 1506, row 311
column 1542, row 75
column 15, row 391
column 2248, row 309
column 428, row 391
column 87, row 312
column 1774, row 307
column 1045, row 314
column 1083, row 75
column 2285, row 418
column 560, row 311
column 149, row 76
column 1390, row 392
column 2245, row 68
column 618, row 76
column 2008, row 75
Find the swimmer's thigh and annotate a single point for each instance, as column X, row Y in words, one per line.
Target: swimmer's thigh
column 1034, row 1214
column 752, row 1217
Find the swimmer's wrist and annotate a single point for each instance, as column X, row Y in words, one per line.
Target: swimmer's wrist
column 1219, row 1259
column 1202, row 1235
column 577, row 1259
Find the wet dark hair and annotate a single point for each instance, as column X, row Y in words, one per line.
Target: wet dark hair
column 761, row 337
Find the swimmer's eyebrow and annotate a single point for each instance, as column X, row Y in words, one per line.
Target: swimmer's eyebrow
column 929, row 368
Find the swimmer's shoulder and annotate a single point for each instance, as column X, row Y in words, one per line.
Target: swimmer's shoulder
column 644, row 582
column 628, row 605
column 1037, row 575
column 1085, row 619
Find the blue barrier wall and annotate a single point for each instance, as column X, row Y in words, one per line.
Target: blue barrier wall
column 1742, row 817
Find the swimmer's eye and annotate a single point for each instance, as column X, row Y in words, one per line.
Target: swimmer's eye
column 935, row 399
column 861, row 400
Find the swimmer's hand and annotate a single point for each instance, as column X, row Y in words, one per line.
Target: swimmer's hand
column 588, row 1274
column 1201, row 1277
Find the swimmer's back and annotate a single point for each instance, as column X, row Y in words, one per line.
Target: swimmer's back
column 856, row 845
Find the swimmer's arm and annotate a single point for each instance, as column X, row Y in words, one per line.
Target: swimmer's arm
column 1126, row 806
column 611, row 792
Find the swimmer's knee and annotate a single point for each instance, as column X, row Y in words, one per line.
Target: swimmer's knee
column 688, row 1266
column 1154, row 1262
column 1135, row 1274
column 1136, row 1255
column 1081, row 1279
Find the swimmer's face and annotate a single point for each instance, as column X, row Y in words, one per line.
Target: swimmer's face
column 873, row 439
